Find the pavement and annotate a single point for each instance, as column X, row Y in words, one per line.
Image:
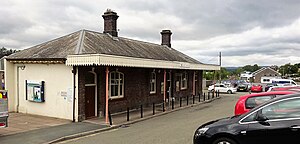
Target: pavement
column 32, row 129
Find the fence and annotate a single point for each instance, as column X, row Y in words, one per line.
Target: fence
column 155, row 108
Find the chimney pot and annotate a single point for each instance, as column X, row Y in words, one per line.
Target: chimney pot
column 110, row 22
column 166, row 37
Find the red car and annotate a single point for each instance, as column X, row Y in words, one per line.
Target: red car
column 249, row 101
column 283, row 88
column 256, row 88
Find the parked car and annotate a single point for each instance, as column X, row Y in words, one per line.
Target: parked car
column 256, row 88
column 222, row 88
column 249, row 101
column 274, row 122
column 269, row 85
column 243, row 87
column 283, row 88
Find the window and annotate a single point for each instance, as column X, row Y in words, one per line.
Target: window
column 116, row 85
column 183, row 80
column 255, row 101
column 282, row 110
column 162, row 88
column 153, row 83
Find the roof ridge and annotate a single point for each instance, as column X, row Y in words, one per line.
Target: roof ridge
column 80, row 42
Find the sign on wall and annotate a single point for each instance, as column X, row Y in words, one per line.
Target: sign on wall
column 35, row 91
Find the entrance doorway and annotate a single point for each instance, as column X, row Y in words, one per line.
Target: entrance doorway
column 90, row 94
column 90, row 101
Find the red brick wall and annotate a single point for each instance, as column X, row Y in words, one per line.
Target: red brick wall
column 136, row 88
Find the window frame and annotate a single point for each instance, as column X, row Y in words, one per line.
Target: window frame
column 120, row 83
column 153, row 82
column 260, row 109
column 183, row 81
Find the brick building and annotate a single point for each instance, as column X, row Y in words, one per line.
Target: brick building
column 85, row 74
column 264, row 72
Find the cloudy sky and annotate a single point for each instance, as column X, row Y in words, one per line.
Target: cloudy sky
column 263, row 32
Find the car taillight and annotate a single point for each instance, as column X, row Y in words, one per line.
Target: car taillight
column 3, row 95
column 2, row 124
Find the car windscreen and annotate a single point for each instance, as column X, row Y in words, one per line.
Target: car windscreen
column 255, row 101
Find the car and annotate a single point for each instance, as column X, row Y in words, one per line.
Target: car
column 269, row 85
column 247, row 102
column 243, row 87
column 275, row 122
column 256, row 88
column 283, row 88
column 221, row 88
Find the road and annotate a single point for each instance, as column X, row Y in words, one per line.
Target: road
column 174, row 128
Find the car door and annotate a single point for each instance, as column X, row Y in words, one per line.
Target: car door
column 255, row 132
column 284, row 121
column 222, row 88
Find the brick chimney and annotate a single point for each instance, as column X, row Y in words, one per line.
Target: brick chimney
column 110, row 22
column 166, row 37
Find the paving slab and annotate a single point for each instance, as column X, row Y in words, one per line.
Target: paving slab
column 44, row 135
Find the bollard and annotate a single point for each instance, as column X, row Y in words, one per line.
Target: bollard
column 193, row 99
column 218, row 93
column 180, row 101
column 109, row 116
column 127, row 113
column 187, row 100
column 203, row 96
column 172, row 103
column 163, row 106
column 141, row 111
column 153, row 108
column 199, row 96
column 208, row 96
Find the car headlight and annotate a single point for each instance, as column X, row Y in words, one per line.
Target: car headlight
column 201, row 131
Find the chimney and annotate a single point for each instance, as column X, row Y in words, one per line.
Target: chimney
column 110, row 22
column 166, row 37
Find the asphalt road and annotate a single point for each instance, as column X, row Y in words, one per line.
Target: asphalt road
column 174, row 128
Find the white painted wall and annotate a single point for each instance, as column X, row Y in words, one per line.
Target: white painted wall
column 58, row 78
column 9, row 79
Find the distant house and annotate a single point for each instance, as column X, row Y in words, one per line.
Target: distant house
column 265, row 73
column 246, row 75
column 86, row 74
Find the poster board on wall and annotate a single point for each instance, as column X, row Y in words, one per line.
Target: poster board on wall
column 35, row 91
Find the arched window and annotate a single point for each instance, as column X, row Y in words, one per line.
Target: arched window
column 153, row 83
column 116, row 85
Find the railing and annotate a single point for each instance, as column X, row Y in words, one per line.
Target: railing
column 170, row 105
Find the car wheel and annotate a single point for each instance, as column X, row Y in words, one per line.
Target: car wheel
column 224, row 141
column 229, row 92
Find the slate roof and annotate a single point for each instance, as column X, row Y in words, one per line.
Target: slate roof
column 262, row 69
column 90, row 42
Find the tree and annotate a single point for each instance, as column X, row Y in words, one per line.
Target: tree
column 288, row 69
column 6, row 52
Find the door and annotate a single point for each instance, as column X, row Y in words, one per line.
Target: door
column 89, row 101
column 169, row 86
column 284, row 121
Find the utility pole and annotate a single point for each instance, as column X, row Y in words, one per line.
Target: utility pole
column 220, row 60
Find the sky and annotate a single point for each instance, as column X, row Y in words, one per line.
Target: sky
column 263, row 32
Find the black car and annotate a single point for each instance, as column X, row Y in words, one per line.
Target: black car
column 274, row 122
column 267, row 87
column 243, row 87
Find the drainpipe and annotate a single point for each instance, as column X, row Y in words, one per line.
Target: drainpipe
column 194, row 84
column 165, row 83
column 106, row 96
column 18, row 87
column 74, row 92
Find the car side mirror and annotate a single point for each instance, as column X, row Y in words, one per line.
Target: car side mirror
column 262, row 119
